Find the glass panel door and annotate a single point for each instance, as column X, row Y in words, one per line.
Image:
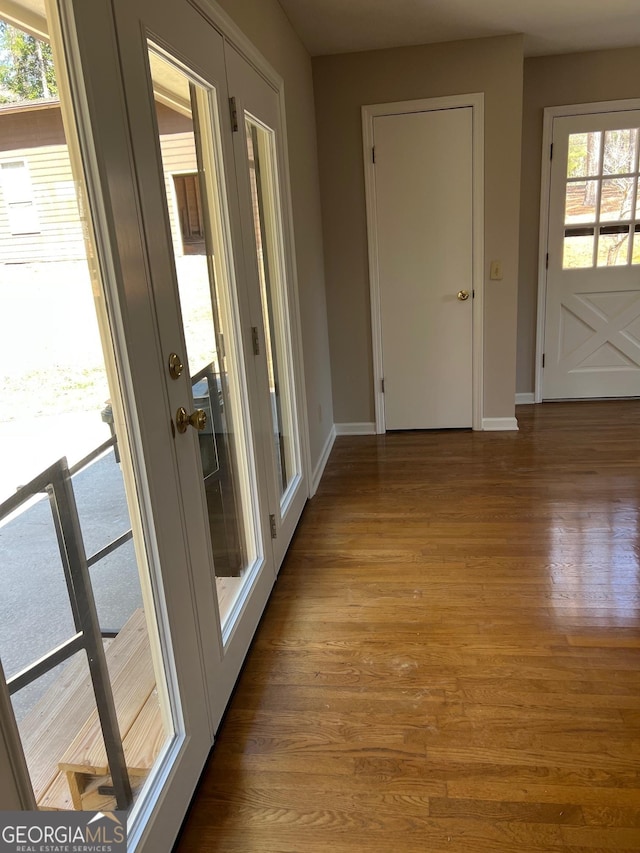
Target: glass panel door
column 174, row 76
column 268, row 265
column 186, row 121
column 82, row 656
column 272, row 278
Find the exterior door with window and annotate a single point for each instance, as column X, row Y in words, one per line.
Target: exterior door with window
column 592, row 319
column 190, row 272
column 171, row 59
column 103, row 700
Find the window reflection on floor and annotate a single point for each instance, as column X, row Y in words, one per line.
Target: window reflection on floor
column 595, row 558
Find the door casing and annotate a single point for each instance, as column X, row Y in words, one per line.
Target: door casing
column 551, row 113
column 369, row 112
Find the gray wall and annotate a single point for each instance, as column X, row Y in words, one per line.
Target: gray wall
column 550, row 81
column 343, row 84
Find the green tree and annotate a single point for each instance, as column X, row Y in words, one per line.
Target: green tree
column 26, row 67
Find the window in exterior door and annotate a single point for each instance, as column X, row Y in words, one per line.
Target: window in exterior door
column 602, row 202
column 18, row 198
column 211, row 329
column 267, row 225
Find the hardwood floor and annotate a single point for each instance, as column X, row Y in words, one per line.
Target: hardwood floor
column 450, row 660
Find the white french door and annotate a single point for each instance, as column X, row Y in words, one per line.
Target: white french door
column 195, row 299
column 592, row 318
column 258, row 157
column 175, row 87
column 223, row 308
column 103, row 697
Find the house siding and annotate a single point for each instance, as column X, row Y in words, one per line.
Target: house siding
column 37, row 137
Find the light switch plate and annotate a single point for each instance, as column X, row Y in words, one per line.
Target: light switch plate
column 496, row 271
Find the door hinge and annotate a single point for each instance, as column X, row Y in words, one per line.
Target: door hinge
column 551, row 152
column 272, row 525
column 543, row 354
column 382, row 385
column 547, row 261
column 234, row 114
column 255, row 340
column 373, row 154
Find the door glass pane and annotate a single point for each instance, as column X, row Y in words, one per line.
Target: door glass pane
column 581, row 201
column 620, row 151
column 75, row 571
column 271, row 272
column 584, row 154
column 613, row 247
column 635, row 257
column 578, row 251
column 617, row 198
column 189, row 146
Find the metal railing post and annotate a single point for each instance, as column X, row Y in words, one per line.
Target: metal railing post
column 64, row 506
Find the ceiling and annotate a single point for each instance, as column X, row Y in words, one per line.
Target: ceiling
column 549, row 26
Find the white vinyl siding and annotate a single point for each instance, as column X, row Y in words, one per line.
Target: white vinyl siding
column 39, row 218
column 47, row 229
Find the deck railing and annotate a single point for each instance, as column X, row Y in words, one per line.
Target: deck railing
column 56, row 482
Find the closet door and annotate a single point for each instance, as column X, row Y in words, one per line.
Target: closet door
column 257, row 140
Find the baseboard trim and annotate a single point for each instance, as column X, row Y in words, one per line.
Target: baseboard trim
column 318, row 471
column 499, row 424
column 525, row 399
column 356, row 429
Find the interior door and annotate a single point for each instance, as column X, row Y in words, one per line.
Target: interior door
column 592, row 319
column 258, row 158
column 423, row 205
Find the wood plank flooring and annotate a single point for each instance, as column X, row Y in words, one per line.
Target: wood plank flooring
column 450, row 660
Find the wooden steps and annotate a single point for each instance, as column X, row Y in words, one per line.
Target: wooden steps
column 67, row 775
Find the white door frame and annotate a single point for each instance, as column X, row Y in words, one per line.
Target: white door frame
column 551, row 113
column 369, row 112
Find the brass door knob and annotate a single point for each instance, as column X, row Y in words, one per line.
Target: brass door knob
column 463, row 295
column 197, row 419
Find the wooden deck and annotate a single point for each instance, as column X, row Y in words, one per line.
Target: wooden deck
column 62, row 736
column 450, row 660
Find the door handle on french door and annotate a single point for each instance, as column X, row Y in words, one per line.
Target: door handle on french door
column 463, row 295
column 197, row 419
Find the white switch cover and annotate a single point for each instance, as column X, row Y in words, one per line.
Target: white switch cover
column 496, row 271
